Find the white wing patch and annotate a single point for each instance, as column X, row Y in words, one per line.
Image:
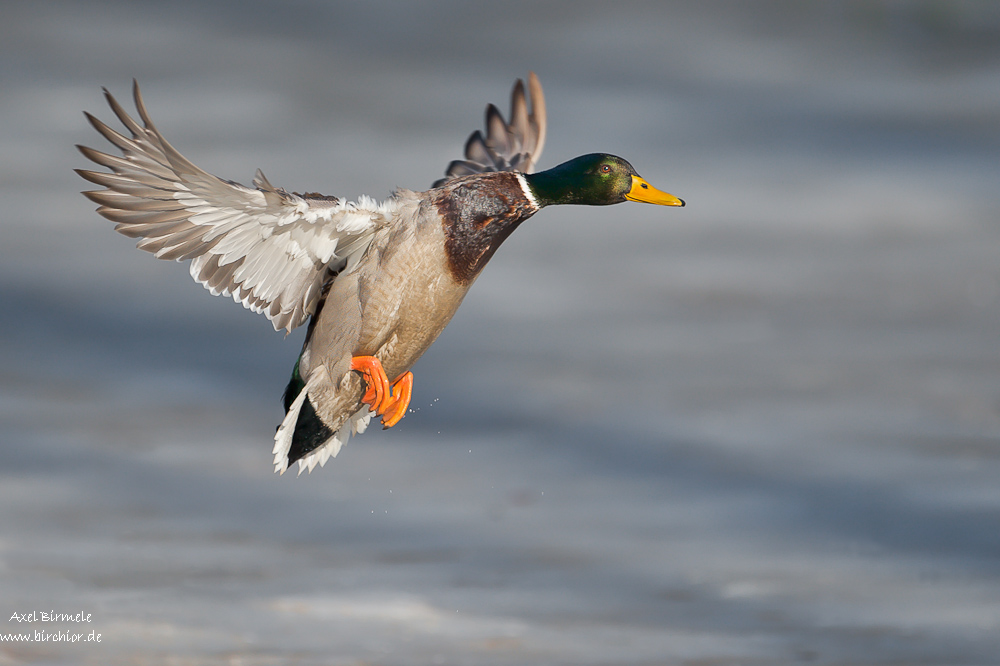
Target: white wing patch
column 267, row 248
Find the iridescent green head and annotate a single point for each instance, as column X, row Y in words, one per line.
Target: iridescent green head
column 597, row 179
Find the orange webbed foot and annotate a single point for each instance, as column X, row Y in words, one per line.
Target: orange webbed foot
column 394, row 407
column 375, row 379
column 389, row 402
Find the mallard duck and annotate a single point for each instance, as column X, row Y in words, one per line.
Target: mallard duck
column 376, row 282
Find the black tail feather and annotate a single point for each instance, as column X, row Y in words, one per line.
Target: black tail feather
column 310, row 433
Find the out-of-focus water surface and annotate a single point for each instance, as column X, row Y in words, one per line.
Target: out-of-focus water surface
column 763, row 429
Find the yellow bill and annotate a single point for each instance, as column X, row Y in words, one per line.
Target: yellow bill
column 645, row 193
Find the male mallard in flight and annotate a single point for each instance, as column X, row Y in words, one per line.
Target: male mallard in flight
column 378, row 282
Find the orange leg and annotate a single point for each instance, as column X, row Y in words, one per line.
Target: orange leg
column 389, row 402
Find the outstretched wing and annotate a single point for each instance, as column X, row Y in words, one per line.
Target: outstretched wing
column 269, row 249
column 507, row 146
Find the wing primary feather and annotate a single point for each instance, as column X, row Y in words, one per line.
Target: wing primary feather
column 476, row 150
column 131, row 217
column 122, row 201
column 519, row 125
column 496, row 132
column 175, row 159
column 126, row 120
column 120, row 141
column 125, row 185
column 538, row 119
column 267, row 248
column 143, row 156
column 506, row 146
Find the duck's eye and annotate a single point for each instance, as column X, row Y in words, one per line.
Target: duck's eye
column 605, row 168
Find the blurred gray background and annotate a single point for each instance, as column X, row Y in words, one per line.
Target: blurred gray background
column 762, row 429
